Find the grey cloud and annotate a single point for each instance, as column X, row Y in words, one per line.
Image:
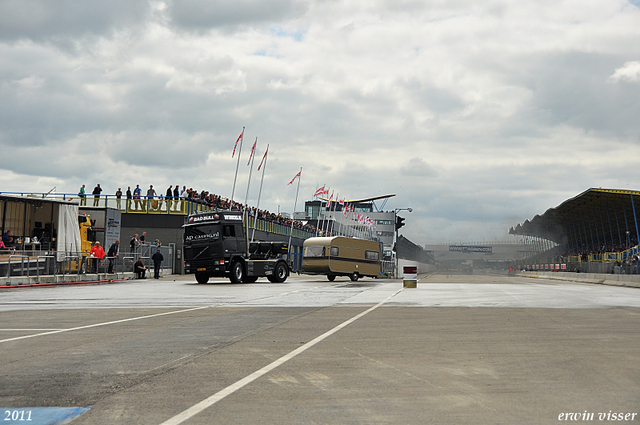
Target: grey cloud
column 43, row 19
column 418, row 167
column 433, row 98
column 573, row 89
column 207, row 14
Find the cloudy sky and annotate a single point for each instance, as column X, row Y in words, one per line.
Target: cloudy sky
column 476, row 114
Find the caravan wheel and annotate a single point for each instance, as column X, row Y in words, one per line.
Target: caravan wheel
column 354, row 276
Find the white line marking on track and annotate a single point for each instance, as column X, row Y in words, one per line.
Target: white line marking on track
column 208, row 402
column 102, row 324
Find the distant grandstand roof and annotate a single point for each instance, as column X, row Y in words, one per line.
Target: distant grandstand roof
column 353, row 201
column 604, row 214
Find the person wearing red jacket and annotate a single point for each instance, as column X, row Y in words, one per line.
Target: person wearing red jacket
column 96, row 252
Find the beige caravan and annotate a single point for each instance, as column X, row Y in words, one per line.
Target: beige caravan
column 340, row 256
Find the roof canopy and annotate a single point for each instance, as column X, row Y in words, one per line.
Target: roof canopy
column 595, row 214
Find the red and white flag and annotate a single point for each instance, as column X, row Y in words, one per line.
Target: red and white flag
column 253, row 149
column 263, row 158
column 294, row 178
column 319, row 192
column 236, row 145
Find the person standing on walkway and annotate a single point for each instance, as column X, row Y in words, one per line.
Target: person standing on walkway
column 129, row 196
column 168, row 196
column 83, row 196
column 97, row 253
column 183, row 194
column 112, row 254
column 157, row 261
column 134, row 243
column 151, row 193
column 137, row 194
column 96, row 195
column 176, row 196
column 118, row 198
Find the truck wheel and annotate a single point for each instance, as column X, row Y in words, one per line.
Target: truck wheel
column 331, row 277
column 354, row 277
column 279, row 274
column 202, row 278
column 237, row 272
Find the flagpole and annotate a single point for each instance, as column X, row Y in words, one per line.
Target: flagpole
column 295, row 204
column 246, row 197
column 324, row 217
column 233, row 191
column 255, row 218
column 318, row 217
column 332, row 221
column 340, row 224
column 325, row 226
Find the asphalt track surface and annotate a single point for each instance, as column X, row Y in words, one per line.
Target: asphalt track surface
column 455, row 350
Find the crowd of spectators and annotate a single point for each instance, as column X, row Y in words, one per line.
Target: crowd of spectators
column 585, row 251
column 220, row 203
column 173, row 195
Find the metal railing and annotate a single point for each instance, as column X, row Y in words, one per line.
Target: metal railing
column 21, row 267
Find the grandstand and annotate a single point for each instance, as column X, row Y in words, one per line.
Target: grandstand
column 596, row 231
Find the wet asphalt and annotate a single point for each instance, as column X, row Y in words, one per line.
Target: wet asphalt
column 454, row 350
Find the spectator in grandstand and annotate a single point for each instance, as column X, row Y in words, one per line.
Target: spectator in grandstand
column 143, row 238
column 96, row 195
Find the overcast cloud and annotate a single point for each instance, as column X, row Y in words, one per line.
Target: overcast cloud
column 477, row 115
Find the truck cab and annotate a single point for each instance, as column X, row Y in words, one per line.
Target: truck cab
column 215, row 245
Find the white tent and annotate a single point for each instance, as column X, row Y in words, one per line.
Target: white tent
column 68, row 231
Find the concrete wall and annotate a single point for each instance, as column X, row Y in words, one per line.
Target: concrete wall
column 604, row 279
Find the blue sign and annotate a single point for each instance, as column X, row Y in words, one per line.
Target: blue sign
column 40, row 415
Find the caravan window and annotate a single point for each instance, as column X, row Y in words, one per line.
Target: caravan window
column 372, row 255
column 334, row 251
column 314, row 251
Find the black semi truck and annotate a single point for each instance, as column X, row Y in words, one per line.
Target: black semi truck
column 215, row 245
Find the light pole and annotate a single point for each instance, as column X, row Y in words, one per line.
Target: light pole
column 397, row 225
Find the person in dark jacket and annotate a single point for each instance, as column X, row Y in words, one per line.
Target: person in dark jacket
column 157, row 261
column 139, row 269
column 168, row 196
column 112, row 254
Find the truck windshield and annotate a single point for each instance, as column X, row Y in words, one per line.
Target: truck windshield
column 204, row 233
